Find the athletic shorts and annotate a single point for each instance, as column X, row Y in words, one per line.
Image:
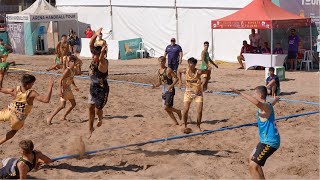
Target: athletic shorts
column 99, row 94
column 67, row 95
column 7, row 115
column 4, row 66
column 262, row 153
column 189, row 97
column 174, row 67
column 292, row 55
column 168, row 98
column 270, row 88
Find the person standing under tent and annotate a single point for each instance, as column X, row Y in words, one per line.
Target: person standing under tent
column 254, row 39
column 73, row 41
column 99, row 88
column 205, row 58
column 293, row 47
column 88, row 32
column 174, row 52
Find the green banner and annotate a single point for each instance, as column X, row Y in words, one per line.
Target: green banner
column 128, row 48
column 4, row 36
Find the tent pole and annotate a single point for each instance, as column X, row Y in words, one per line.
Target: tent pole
column 310, row 29
column 212, row 44
column 111, row 15
column 177, row 26
column 271, row 47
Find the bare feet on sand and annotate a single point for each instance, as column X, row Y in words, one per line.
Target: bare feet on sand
column 49, row 121
column 90, row 132
column 199, row 129
column 63, row 119
column 99, row 123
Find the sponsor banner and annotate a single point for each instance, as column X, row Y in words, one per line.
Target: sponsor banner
column 56, row 17
column 241, row 25
column 41, row 18
column 18, row 18
column 128, row 48
column 303, row 8
column 16, row 37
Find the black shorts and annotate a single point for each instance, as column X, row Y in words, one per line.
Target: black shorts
column 292, row 55
column 262, row 153
column 168, row 98
column 99, row 94
column 174, row 67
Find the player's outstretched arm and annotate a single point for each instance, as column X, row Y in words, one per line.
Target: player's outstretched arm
column 251, row 99
column 94, row 37
column 276, row 99
column 46, row 98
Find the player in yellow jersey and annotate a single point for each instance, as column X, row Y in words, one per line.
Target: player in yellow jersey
column 65, row 92
column 194, row 89
column 18, row 110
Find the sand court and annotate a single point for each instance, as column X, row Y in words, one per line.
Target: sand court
column 134, row 114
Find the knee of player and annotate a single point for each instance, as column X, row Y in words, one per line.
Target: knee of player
column 253, row 165
column 91, row 108
column 73, row 104
column 167, row 108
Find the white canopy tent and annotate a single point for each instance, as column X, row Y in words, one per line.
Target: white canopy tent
column 24, row 26
column 157, row 21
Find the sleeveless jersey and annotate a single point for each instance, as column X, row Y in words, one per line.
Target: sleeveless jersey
column 20, row 106
column 193, row 84
column 96, row 76
column 268, row 131
column 165, row 80
column 206, row 59
column 3, row 50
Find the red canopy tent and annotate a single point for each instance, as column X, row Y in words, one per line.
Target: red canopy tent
column 261, row 14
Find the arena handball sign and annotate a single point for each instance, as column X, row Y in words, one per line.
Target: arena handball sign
column 128, row 48
column 60, row 17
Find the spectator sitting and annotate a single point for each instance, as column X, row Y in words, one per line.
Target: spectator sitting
column 278, row 49
column 272, row 83
column 246, row 48
column 265, row 49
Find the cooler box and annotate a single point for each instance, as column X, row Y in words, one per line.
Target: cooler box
column 278, row 70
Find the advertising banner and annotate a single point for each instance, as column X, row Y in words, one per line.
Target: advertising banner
column 303, row 8
column 16, row 37
column 128, row 48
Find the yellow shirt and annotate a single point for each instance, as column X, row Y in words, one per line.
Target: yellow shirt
column 193, row 83
column 20, row 106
